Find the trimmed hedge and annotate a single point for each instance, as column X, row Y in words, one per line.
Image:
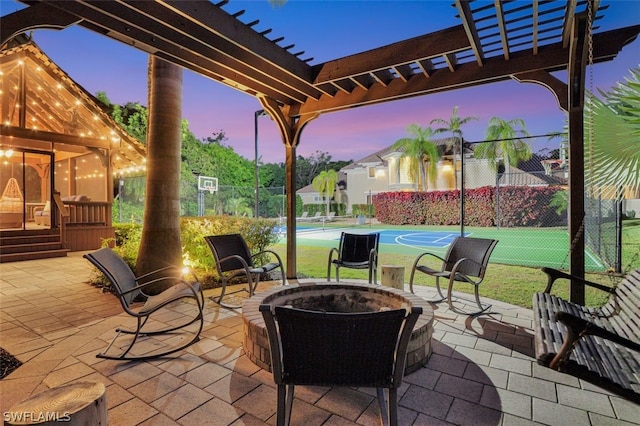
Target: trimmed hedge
column 519, row 206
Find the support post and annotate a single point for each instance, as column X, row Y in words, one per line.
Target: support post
column 461, row 186
column 257, row 174
column 290, row 127
column 576, row 69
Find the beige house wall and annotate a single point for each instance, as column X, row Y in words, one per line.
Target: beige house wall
column 478, row 173
column 362, row 181
column 310, row 198
column 393, row 175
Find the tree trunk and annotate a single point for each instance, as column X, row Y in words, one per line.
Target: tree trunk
column 161, row 245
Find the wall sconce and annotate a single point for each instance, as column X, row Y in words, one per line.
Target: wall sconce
column 6, row 153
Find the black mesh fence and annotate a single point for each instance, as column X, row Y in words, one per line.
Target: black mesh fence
column 531, row 201
column 602, row 232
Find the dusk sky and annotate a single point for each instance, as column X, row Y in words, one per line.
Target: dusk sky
column 328, row 30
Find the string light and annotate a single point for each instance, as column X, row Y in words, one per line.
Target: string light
column 75, row 111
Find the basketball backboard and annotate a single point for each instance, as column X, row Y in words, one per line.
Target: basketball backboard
column 206, row 183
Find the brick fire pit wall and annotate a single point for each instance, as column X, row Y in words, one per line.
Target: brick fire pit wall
column 340, row 298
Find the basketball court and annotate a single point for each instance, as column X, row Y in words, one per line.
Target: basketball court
column 536, row 247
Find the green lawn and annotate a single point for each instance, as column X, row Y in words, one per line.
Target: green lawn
column 509, row 283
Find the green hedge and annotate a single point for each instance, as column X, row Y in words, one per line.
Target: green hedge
column 259, row 234
column 519, row 206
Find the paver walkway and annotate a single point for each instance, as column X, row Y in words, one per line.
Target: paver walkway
column 481, row 373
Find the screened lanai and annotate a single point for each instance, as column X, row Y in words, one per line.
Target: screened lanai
column 494, row 41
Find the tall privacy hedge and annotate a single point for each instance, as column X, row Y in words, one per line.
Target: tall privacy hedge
column 519, row 206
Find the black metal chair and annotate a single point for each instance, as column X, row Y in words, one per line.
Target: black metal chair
column 338, row 349
column 466, row 260
column 233, row 257
column 355, row 251
column 128, row 288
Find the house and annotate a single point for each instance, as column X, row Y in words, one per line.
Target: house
column 59, row 153
column 386, row 170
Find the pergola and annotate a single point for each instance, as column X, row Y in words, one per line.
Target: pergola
column 495, row 41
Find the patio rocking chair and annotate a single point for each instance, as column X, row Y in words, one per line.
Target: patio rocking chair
column 233, row 257
column 466, row 260
column 320, row 348
column 128, row 287
column 355, row 251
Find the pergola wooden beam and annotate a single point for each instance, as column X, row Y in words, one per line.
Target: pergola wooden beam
column 199, row 36
column 464, row 11
column 415, row 49
column 550, row 58
column 37, row 16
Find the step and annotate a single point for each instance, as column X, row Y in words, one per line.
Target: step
column 30, row 247
column 43, row 254
column 20, row 238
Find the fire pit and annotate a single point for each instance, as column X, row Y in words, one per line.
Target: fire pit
column 336, row 298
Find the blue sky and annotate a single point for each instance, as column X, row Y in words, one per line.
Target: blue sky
column 328, row 30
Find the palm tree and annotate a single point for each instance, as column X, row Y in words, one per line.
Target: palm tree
column 325, row 184
column 503, row 142
column 614, row 152
column 237, row 206
column 421, row 153
column 160, row 243
column 453, row 126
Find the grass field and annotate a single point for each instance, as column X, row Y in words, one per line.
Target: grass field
column 504, row 280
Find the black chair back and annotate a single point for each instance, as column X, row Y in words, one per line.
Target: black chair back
column 117, row 272
column 356, row 248
column 223, row 246
column 337, row 349
column 476, row 249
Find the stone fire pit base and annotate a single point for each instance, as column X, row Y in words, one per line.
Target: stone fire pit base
column 341, row 297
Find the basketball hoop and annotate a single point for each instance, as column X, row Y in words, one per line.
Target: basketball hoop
column 206, row 183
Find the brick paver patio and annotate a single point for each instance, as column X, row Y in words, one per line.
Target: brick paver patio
column 481, row 372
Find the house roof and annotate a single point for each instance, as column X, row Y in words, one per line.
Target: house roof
column 43, row 105
column 531, row 172
column 378, row 157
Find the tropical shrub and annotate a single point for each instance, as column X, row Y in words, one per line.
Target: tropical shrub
column 258, row 233
column 519, row 206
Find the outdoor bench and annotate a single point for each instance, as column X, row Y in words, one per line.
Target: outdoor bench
column 601, row 345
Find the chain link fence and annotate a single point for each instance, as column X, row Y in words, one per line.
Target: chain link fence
column 534, row 195
column 530, row 200
column 128, row 204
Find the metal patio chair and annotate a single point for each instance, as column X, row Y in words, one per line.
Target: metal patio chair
column 338, row 349
column 355, row 251
column 128, row 288
column 233, row 258
column 465, row 261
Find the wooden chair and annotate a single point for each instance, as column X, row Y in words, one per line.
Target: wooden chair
column 598, row 344
column 128, row 288
column 338, row 349
column 233, row 258
column 466, row 261
column 355, row 251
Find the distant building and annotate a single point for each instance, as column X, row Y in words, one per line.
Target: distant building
column 386, row 170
